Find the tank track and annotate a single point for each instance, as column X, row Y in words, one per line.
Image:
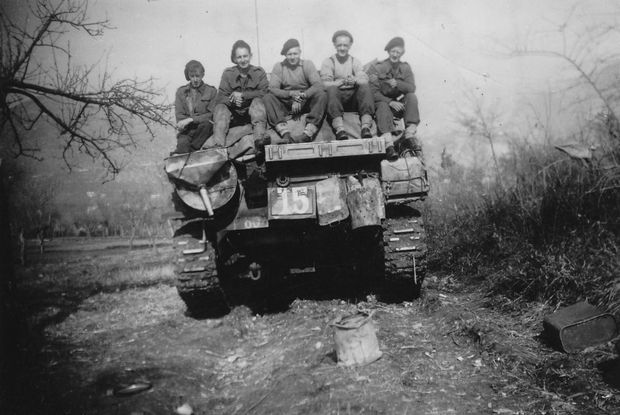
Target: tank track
column 404, row 241
column 197, row 281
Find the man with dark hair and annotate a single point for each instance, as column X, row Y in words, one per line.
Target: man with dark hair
column 295, row 87
column 194, row 104
column 393, row 85
column 346, row 84
column 239, row 99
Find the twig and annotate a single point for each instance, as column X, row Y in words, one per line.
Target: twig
column 258, row 402
column 214, row 354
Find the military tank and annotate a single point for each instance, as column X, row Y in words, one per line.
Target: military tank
column 335, row 208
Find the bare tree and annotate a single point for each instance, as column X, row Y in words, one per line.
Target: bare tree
column 588, row 47
column 586, row 42
column 94, row 113
column 482, row 121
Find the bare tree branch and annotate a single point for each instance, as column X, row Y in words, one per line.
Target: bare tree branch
column 94, row 113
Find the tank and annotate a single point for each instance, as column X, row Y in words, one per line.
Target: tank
column 338, row 209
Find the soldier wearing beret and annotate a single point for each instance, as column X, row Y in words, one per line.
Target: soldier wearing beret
column 240, row 98
column 393, row 85
column 347, row 85
column 194, row 104
column 295, row 88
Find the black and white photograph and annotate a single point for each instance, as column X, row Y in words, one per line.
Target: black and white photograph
column 258, row 207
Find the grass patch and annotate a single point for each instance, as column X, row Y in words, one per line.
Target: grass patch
column 548, row 231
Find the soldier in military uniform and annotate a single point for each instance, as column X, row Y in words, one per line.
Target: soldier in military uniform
column 240, row 98
column 194, row 104
column 393, row 86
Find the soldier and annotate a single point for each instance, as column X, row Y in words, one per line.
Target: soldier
column 393, row 85
column 346, row 83
column 240, row 98
column 194, row 104
column 295, row 88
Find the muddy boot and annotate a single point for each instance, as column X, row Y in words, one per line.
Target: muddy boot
column 390, row 153
column 342, row 135
column 307, row 135
column 366, row 121
column 259, row 147
column 410, row 142
column 283, row 131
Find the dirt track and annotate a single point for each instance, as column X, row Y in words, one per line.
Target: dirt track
column 95, row 324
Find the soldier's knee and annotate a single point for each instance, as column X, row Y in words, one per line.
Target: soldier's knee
column 257, row 110
column 411, row 97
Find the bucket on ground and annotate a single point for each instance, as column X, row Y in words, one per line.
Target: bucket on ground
column 356, row 339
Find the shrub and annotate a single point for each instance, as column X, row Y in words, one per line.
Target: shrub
column 549, row 232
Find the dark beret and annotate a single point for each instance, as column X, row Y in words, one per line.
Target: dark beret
column 191, row 66
column 342, row 33
column 291, row 43
column 396, row 41
column 239, row 44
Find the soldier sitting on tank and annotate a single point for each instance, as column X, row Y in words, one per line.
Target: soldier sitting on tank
column 346, row 84
column 194, row 104
column 393, row 85
column 295, row 88
column 240, row 99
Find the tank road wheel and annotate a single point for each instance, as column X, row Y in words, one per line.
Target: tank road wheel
column 197, row 280
column 405, row 253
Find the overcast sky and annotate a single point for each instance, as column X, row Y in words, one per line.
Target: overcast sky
column 452, row 45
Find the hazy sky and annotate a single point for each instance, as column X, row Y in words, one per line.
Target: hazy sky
column 452, row 45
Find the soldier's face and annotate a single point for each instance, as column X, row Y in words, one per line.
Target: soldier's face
column 292, row 56
column 395, row 53
column 195, row 78
column 342, row 45
column 242, row 57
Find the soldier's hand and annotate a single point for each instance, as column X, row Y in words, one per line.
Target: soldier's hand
column 392, row 82
column 296, row 95
column 236, row 98
column 397, row 106
column 373, row 77
column 296, row 107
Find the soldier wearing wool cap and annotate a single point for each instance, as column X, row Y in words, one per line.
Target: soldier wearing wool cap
column 393, row 86
column 295, row 88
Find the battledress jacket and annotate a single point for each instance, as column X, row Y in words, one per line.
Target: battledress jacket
column 198, row 106
column 254, row 85
column 383, row 71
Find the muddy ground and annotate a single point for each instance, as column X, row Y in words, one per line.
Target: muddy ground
column 95, row 319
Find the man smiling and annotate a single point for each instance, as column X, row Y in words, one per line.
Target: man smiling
column 347, row 85
column 295, row 88
column 239, row 99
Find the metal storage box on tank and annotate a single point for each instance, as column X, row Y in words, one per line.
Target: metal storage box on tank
column 579, row 326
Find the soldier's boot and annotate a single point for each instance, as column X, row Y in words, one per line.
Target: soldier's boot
column 390, row 151
column 366, row 120
column 338, row 126
column 283, row 131
column 307, row 135
column 411, row 142
column 261, row 139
